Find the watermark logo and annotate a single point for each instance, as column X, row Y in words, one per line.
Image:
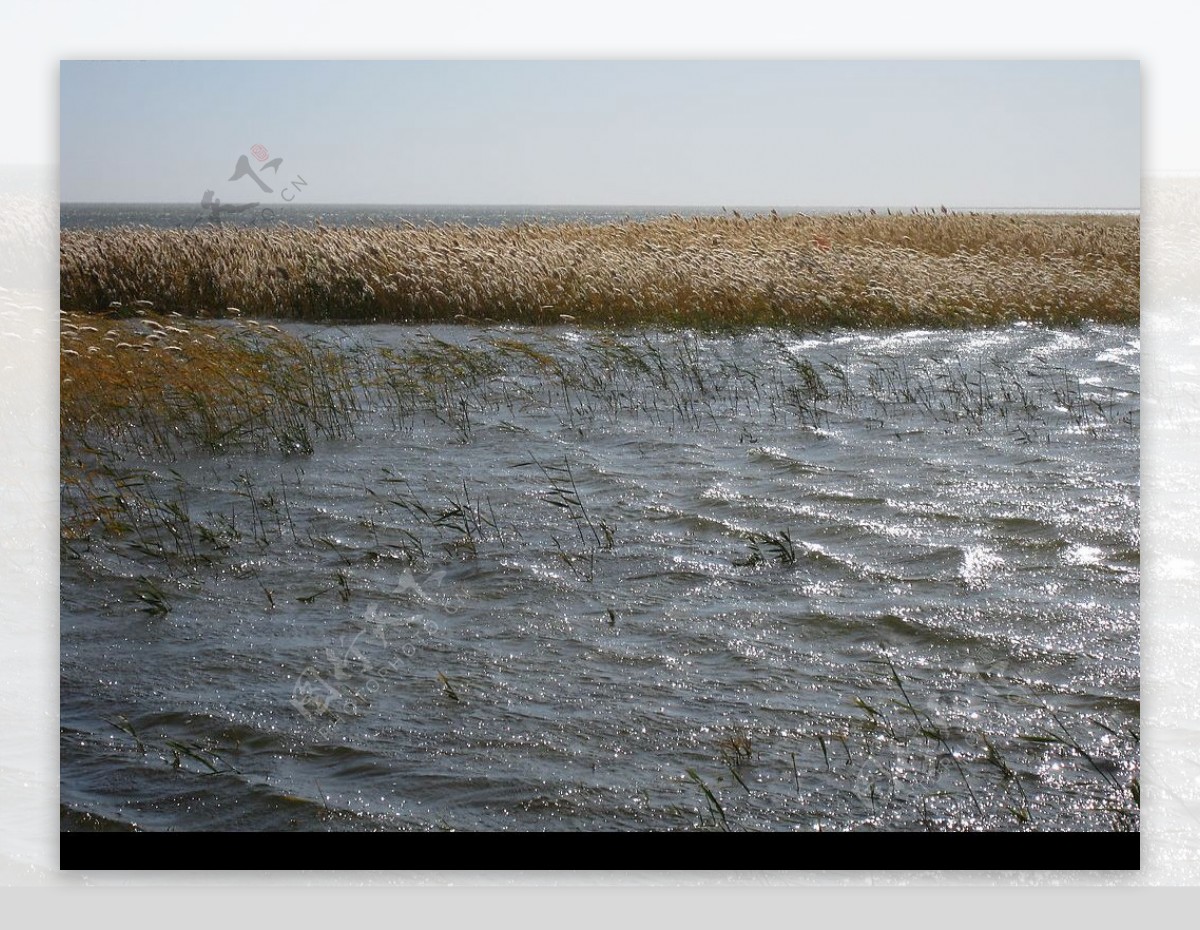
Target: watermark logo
column 964, row 708
column 217, row 212
column 345, row 680
column 911, row 766
column 876, row 782
column 895, row 778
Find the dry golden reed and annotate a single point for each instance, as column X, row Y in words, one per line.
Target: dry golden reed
column 920, row 269
column 165, row 384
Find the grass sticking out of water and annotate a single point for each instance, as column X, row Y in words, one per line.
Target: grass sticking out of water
column 903, row 764
column 769, row 547
column 154, row 384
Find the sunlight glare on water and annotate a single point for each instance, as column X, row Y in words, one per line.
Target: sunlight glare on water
column 661, row 581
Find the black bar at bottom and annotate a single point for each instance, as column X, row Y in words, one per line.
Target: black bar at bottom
column 859, row 851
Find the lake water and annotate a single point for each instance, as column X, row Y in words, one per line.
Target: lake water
column 193, row 215
column 573, row 580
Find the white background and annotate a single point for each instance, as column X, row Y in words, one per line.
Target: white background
column 35, row 37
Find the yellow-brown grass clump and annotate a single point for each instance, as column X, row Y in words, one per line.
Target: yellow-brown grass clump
column 163, row 384
column 922, row 269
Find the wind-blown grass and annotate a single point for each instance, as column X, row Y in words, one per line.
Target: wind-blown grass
column 927, row 270
column 153, row 384
column 140, row 389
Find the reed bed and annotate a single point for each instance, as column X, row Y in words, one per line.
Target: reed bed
column 162, row 384
column 862, row 270
column 139, row 390
column 157, row 384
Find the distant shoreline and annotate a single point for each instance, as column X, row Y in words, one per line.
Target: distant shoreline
column 860, row 270
column 82, row 215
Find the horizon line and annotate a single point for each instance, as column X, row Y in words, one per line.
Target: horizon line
column 582, row 204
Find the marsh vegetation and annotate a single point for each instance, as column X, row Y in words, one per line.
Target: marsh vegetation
column 495, row 577
column 914, row 270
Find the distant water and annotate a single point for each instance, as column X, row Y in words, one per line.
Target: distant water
column 185, row 215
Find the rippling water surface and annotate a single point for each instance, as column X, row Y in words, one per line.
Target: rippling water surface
column 652, row 581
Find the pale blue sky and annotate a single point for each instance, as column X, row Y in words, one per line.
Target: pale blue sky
column 765, row 133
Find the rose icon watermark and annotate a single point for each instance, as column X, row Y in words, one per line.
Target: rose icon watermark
column 215, row 211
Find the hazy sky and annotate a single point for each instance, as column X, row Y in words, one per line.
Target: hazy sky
column 763, row 133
